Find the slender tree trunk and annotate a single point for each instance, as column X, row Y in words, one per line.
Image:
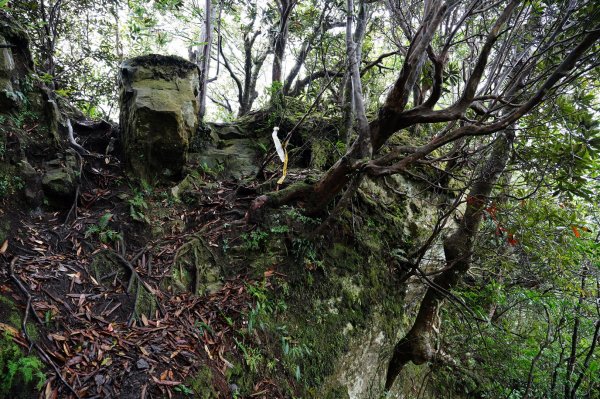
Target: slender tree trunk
column 417, row 345
column 572, row 359
column 204, row 55
column 285, row 10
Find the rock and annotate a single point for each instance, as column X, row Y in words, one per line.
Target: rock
column 159, row 114
column 142, row 364
column 234, row 159
column 195, row 269
column 60, row 180
column 32, row 180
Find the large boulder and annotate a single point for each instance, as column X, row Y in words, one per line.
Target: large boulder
column 159, row 113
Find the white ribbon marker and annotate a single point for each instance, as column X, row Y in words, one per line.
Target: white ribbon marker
column 277, row 143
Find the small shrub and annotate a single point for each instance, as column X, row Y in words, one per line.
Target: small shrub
column 104, row 232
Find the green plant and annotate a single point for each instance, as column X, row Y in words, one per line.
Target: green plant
column 17, row 370
column 184, row 390
column 254, row 240
column 280, row 229
column 4, row 186
column 211, row 171
column 9, row 184
column 297, row 216
column 225, row 246
column 137, row 206
column 262, row 148
column 305, row 252
column 252, row 356
column 104, row 232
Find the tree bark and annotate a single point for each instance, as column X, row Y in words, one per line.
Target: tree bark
column 280, row 41
column 417, row 345
column 203, row 62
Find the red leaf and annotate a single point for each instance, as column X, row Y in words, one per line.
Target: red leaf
column 575, row 231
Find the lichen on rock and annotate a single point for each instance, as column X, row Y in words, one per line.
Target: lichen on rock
column 159, row 114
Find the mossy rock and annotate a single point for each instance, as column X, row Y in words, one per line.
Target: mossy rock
column 195, row 269
column 60, row 179
column 234, row 159
column 159, row 114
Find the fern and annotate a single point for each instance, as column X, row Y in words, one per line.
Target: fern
column 18, row 373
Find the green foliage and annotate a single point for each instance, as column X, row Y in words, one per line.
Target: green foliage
column 184, row 390
column 252, row 356
column 18, row 372
column 212, row 171
column 103, row 230
column 254, row 240
column 9, row 184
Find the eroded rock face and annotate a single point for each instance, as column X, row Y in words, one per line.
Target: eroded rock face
column 15, row 61
column 159, row 114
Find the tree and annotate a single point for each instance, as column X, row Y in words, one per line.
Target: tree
column 517, row 56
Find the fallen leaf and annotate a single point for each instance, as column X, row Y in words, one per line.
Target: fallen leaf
column 168, row 383
column 57, row 337
column 4, row 247
column 9, row 329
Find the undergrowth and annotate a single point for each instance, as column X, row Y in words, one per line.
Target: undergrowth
column 18, row 373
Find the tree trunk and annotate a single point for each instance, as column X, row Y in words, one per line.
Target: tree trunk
column 204, row 54
column 417, row 345
column 280, row 42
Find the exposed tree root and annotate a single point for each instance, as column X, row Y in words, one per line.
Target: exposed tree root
column 43, row 355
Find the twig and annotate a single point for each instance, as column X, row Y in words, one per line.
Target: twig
column 33, row 344
column 135, row 275
column 26, row 293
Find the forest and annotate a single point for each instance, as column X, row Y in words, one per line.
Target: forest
column 328, row 199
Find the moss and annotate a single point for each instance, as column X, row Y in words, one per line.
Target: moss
column 10, row 314
column 145, row 302
column 104, row 264
column 202, row 384
column 195, row 268
column 338, row 392
column 175, row 65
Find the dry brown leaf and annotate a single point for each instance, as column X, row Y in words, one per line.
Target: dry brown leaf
column 167, row 383
column 164, row 375
column 57, row 337
column 4, row 247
